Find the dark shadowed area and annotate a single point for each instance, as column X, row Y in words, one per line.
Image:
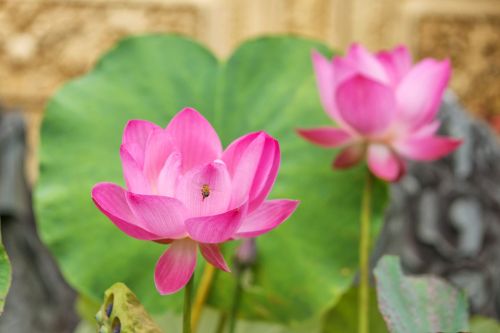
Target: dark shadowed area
column 39, row 299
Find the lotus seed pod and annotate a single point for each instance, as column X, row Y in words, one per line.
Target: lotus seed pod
column 121, row 312
column 99, row 317
column 103, row 329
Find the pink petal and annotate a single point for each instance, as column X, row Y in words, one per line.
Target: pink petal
column 137, row 131
column 266, row 174
column 343, row 69
column 266, row 217
column 427, row 129
column 206, row 190
column 324, row 78
column 132, row 172
column 111, row 200
column 160, row 215
column 367, row 64
column 135, row 136
column 175, row 267
column 158, row 148
column 326, row 136
column 328, row 76
column 169, row 175
column 195, row 139
column 217, row 228
column 396, row 63
column 253, row 162
column 384, row 163
column 349, row 156
column 419, row 93
column 366, row 105
column 427, row 148
column 242, row 157
column 213, row 255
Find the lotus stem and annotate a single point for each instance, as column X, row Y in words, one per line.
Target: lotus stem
column 202, row 295
column 245, row 258
column 238, row 289
column 188, row 291
column 221, row 324
column 364, row 256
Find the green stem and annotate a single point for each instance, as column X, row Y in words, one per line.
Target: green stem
column 236, row 301
column 188, row 291
column 364, row 256
column 201, row 295
column 221, row 323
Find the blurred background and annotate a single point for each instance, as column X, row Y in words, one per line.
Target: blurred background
column 44, row 43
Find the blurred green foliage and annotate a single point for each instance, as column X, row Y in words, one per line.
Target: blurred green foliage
column 480, row 324
column 5, row 276
column 343, row 317
column 134, row 319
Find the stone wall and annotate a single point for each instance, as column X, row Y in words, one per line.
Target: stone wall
column 44, row 43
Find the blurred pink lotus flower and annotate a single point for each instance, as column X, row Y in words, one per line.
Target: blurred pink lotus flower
column 182, row 189
column 385, row 109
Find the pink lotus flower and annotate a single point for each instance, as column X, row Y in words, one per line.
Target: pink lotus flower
column 182, row 189
column 385, row 109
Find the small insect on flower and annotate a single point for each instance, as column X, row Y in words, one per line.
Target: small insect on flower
column 205, row 191
column 167, row 172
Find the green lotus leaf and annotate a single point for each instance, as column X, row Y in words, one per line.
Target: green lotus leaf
column 480, row 324
column 304, row 266
column 418, row 304
column 5, row 276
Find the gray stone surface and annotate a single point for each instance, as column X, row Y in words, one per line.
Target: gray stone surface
column 444, row 217
column 39, row 300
